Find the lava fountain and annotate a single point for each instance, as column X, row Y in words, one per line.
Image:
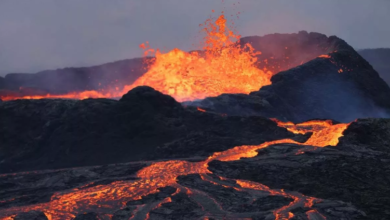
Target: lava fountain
column 223, row 66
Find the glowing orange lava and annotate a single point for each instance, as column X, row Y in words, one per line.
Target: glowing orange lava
column 223, row 67
column 106, row 198
column 73, row 95
column 325, row 133
column 325, row 56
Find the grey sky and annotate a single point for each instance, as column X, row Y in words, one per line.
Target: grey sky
column 49, row 34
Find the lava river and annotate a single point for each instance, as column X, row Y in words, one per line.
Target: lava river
column 105, row 199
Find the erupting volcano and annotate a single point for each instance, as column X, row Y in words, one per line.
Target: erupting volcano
column 224, row 66
column 245, row 128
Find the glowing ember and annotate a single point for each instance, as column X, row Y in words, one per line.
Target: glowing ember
column 105, row 198
column 325, row 56
column 200, row 109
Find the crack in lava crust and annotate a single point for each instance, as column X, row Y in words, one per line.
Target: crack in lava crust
column 105, row 199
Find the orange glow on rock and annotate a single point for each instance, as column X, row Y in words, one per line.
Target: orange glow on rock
column 103, row 198
column 325, row 56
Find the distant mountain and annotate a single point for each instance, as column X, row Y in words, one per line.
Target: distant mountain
column 380, row 59
column 59, row 81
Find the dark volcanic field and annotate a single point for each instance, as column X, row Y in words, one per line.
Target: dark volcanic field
column 95, row 143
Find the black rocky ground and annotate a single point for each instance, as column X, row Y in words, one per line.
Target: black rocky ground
column 343, row 87
column 38, row 187
column 212, row 197
column 356, row 171
column 351, row 179
column 144, row 124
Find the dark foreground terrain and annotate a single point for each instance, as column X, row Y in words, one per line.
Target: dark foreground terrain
column 348, row 181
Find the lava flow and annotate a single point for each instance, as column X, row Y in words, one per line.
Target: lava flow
column 106, row 199
column 222, row 67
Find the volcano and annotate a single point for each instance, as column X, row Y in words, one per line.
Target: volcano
column 284, row 126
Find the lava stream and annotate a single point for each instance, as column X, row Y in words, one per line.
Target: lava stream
column 108, row 198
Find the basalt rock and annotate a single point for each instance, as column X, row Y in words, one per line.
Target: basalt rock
column 32, row 215
column 143, row 124
column 340, row 85
column 87, row 216
column 355, row 171
column 37, row 187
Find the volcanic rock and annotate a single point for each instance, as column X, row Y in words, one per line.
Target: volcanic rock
column 181, row 207
column 197, row 196
column 124, row 214
column 87, row 216
column 340, row 85
column 155, row 197
column 144, row 124
column 355, row 171
column 32, row 215
column 38, row 187
column 231, row 199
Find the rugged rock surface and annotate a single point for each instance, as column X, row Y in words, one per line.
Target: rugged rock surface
column 144, row 124
column 342, row 87
column 32, row 215
column 356, row 171
column 32, row 188
column 193, row 197
column 349, row 181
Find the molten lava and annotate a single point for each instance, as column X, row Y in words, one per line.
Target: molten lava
column 324, row 132
column 222, row 67
column 108, row 198
column 73, row 95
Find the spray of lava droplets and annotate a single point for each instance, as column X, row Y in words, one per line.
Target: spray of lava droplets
column 222, row 67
